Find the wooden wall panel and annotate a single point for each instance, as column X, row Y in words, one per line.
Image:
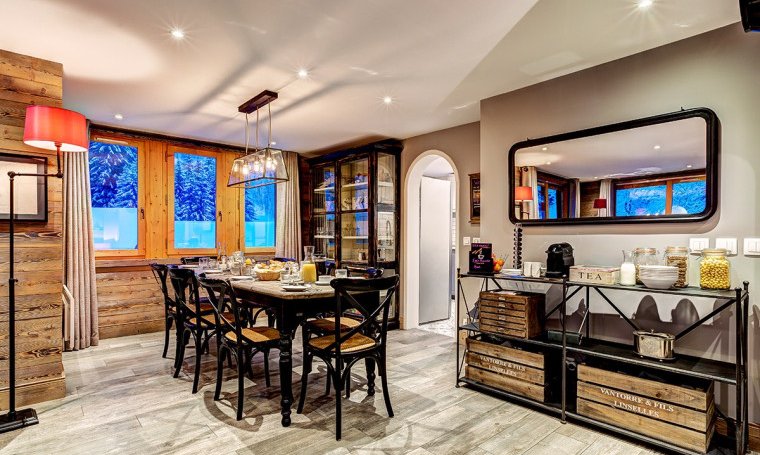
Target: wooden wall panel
column 129, row 301
column 39, row 250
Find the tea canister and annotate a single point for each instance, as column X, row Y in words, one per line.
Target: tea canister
column 714, row 269
column 678, row 256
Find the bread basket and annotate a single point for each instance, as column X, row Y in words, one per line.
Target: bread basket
column 267, row 275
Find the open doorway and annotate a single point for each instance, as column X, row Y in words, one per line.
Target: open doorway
column 431, row 247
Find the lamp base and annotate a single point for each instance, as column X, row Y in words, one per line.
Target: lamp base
column 22, row 418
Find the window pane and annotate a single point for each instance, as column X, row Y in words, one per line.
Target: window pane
column 541, row 203
column 260, row 216
column 689, row 197
column 552, row 203
column 646, row 200
column 113, row 187
column 194, row 201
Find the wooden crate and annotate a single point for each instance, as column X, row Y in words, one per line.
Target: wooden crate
column 508, row 369
column 681, row 415
column 511, row 313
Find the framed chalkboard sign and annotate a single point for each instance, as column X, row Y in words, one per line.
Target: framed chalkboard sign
column 475, row 198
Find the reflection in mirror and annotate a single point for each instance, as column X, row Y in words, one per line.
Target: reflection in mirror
column 643, row 170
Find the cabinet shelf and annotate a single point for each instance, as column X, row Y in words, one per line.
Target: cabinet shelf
column 354, row 185
column 355, row 237
column 324, row 190
column 323, row 236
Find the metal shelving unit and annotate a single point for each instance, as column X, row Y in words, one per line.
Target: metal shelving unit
column 733, row 374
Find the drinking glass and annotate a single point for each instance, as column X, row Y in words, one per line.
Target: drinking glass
column 341, row 273
column 203, row 264
column 212, row 264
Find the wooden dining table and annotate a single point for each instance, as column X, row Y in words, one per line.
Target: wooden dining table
column 289, row 308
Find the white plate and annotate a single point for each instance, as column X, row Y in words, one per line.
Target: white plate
column 188, row 266
column 294, row 288
column 240, row 278
column 322, row 283
column 212, row 272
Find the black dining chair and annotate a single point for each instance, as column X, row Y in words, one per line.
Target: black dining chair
column 191, row 260
column 194, row 318
column 237, row 335
column 341, row 349
column 161, row 274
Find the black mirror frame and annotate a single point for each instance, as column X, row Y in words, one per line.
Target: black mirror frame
column 712, row 129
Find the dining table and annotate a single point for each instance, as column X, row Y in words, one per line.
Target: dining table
column 289, row 308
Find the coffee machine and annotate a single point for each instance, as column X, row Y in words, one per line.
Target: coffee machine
column 559, row 258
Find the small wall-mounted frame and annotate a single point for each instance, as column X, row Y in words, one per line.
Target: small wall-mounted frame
column 475, row 198
column 30, row 192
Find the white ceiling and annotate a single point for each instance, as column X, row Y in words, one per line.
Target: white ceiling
column 654, row 149
column 438, row 169
column 436, row 59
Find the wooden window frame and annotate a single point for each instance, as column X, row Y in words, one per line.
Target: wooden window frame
column 142, row 159
column 221, row 183
column 667, row 179
column 562, row 186
column 263, row 250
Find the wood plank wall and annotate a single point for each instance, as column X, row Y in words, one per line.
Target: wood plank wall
column 39, row 249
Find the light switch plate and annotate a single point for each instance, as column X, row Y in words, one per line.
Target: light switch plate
column 752, row 247
column 465, row 241
column 727, row 243
column 696, row 245
column 476, row 240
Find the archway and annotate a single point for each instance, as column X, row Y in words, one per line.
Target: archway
column 411, row 231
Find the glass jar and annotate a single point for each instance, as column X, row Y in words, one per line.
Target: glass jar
column 714, row 269
column 678, row 256
column 644, row 256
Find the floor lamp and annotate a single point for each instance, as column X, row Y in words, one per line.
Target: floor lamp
column 49, row 128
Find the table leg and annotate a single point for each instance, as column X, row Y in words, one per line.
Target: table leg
column 286, row 374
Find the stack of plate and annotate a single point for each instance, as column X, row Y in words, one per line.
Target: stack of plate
column 658, row 276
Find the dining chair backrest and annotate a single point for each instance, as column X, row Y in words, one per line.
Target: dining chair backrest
column 221, row 295
column 186, row 295
column 161, row 274
column 346, row 292
column 365, row 272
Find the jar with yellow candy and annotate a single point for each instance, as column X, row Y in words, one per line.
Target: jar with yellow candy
column 714, row 269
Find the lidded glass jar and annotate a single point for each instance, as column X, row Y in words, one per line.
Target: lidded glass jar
column 644, row 256
column 714, row 269
column 678, row 256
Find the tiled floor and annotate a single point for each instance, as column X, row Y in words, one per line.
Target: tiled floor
column 123, row 399
column 445, row 327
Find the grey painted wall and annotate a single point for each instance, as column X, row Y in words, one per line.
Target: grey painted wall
column 719, row 70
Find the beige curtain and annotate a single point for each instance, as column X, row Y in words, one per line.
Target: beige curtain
column 288, row 240
column 605, row 192
column 80, row 319
column 530, row 178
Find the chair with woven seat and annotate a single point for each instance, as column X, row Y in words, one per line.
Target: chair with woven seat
column 341, row 349
column 161, row 274
column 237, row 336
column 195, row 317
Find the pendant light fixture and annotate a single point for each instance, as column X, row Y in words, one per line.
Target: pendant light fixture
column 260, row 166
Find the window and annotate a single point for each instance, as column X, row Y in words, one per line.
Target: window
column 661, row 196
column 117, row 197
column 552, row 196
column 194, row 207
column 260, row 216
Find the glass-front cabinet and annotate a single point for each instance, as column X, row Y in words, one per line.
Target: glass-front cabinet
column 323, row 212
column 354, row 207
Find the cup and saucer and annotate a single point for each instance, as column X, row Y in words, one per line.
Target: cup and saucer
column 323, row 280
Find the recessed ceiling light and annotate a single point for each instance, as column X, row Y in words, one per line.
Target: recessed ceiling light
column 545, row 148
column 548, row 162
column 387, row 99
column 688, row 166
column 303, row 73
column 596, row 177
column 656, row 147
column 118, row 117
column 273, row 143
column 644, row 4
column 177, row 33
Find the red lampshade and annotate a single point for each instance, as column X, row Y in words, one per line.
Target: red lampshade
column 46, row 127
column 600, row 203
column 523, row 193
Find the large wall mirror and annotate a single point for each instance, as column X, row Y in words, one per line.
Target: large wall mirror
column 655, row 169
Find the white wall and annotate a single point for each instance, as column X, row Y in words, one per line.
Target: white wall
column 719, row 70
